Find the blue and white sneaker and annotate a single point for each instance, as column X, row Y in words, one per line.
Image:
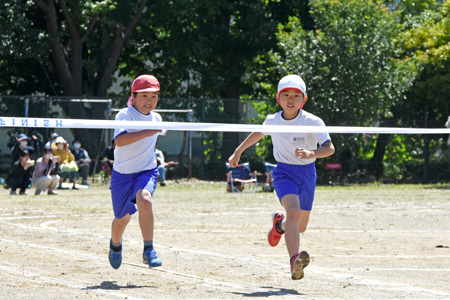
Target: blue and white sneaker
column 150, row 258
column 115, row 258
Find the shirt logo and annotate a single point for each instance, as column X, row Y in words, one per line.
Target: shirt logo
column 297, row 140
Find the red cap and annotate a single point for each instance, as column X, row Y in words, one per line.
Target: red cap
column 145, row 83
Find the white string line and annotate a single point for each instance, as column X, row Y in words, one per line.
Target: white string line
column 69, row 284
column 202, row 279
column 219, row 127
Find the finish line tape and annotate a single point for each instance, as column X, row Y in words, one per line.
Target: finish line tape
column 187, row 126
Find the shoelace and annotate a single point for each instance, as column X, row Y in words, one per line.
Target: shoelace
column 152, row 254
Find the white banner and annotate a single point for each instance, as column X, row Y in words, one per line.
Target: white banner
column 186, row 126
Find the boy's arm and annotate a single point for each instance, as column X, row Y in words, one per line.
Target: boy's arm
column 324, row 151
column 132, row 137
column 253, row 138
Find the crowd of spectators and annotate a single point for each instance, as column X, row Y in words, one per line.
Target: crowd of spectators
column 58, row 163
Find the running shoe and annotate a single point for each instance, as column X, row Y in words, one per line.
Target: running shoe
column 304, row 256
column 296, row 268
column 150, row 258
column 115, row 258
column 274, row 236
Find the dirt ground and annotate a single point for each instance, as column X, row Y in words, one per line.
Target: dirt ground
column 366, row 242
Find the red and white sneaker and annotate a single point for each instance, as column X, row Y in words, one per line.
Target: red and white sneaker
column 274, row 236
column 298, row 263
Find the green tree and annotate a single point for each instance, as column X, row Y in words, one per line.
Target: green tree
column 427, row 104
column 70, row 48
column 352, row 63
column 204, row 49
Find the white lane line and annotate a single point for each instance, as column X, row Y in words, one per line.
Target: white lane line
column 328, row 230
column 53, row 216
column 202, row 279
column 399, row 286
column 364, row 256
column 30, row 217
column 45, row 224
column 387, row 256
column 69, row 284
column 388, row 269
column 71, row 232
column 339, row 276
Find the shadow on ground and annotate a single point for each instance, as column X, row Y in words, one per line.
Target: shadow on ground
column 111, row 285
column 271, row 292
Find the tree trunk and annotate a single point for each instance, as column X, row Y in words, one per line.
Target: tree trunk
column 120, row 35
column 376, row 163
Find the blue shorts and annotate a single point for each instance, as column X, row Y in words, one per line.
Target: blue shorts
column 299, row 180
column 124, row 188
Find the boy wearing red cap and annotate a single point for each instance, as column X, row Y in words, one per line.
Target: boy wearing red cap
column 135, row 173
column 295, row 173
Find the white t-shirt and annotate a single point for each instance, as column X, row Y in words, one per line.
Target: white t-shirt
column 285, row 143
column 140, row 155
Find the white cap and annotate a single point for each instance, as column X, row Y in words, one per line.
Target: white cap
column 292, row 82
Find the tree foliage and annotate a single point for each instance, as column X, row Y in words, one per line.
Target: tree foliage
column 351, row 62
column 77, row 44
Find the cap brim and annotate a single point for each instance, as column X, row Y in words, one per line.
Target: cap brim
column 290, row 88
column 147, row 90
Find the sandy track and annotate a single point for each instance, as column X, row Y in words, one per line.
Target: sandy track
column 373, row 242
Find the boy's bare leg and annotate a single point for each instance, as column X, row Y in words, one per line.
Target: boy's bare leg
column 145, row 209
column 291, row 225
column 118, row 227
column 304, row 219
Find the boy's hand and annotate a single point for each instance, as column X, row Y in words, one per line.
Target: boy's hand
column 234, row 160
column 303, row 153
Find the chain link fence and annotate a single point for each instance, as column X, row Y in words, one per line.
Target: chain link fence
column 202, row 155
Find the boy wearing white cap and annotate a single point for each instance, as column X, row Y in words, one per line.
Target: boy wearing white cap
column 295, row 173
column 135, row 173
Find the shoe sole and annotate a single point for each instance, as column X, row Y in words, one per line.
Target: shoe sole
column 270, row 230
column 304, row 256
column 297, row 272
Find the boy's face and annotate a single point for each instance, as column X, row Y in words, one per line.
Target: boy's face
column 291, row 100
column 146, row 101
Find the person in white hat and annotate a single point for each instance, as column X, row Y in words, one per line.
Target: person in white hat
column 295, row 173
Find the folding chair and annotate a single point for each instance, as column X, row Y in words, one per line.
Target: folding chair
column 268, row 187
column 237, row 177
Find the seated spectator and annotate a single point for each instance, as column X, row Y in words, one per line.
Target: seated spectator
column 68, row 167
column 45, row 174
column 82, row 159
column 22, row 144
column 20, row 174
column 52, row 139
column 108, row 158
column 161, row 166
